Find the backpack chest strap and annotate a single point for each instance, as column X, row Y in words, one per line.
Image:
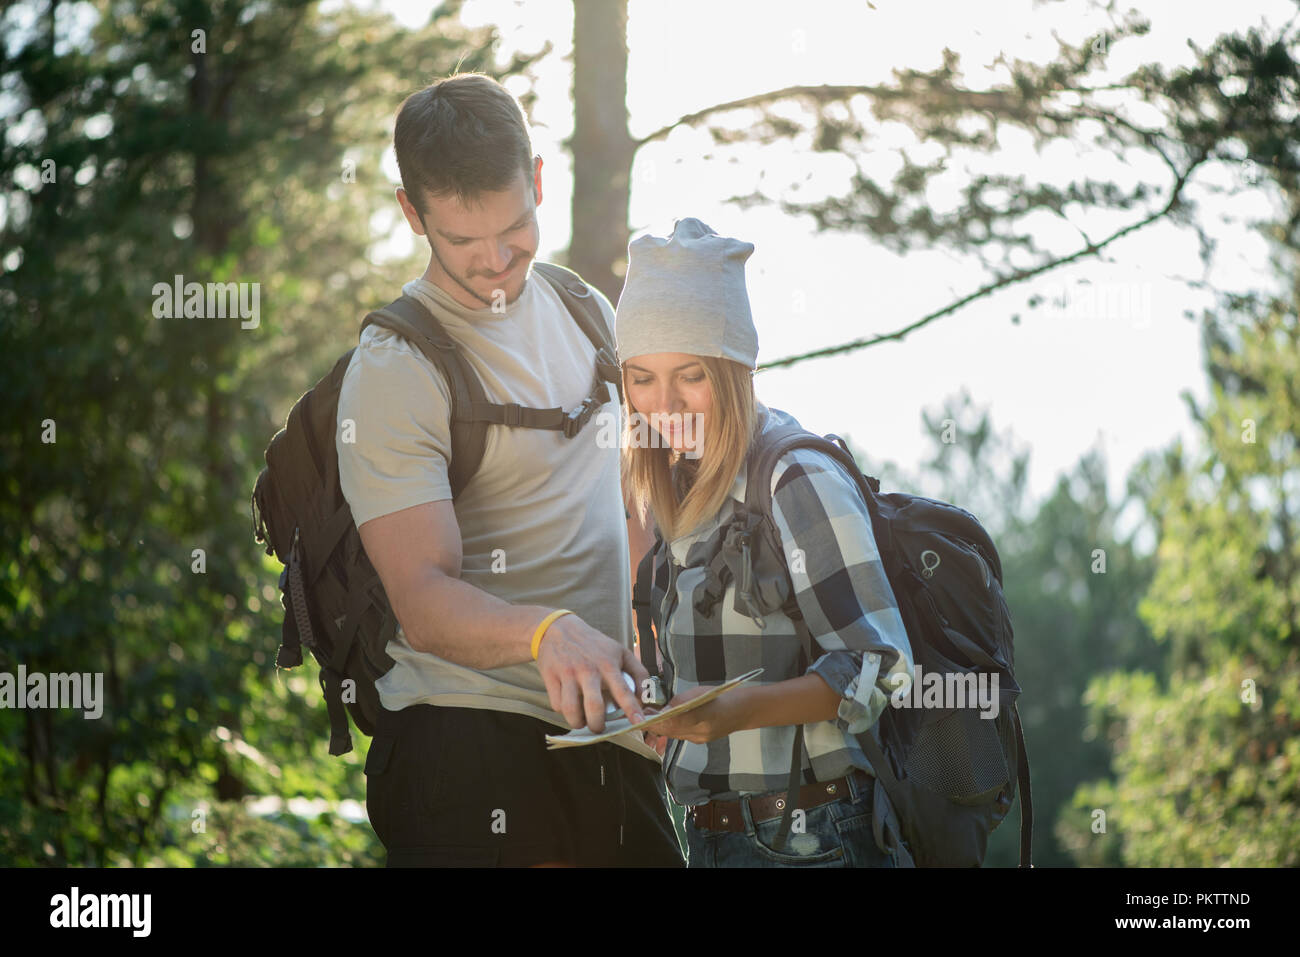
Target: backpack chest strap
column 555, row 419
column 470, row 405
column 748, row 555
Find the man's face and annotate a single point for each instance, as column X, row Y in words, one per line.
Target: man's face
column 481, row 249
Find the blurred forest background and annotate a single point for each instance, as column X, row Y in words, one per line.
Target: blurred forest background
column 1161, row 685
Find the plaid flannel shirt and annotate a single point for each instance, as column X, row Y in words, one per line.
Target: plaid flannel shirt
column 843, row 595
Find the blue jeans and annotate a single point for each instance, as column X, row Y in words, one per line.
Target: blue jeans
column 837, row 834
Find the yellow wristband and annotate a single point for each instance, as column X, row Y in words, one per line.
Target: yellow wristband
column 541, row 629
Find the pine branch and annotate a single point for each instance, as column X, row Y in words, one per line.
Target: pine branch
column 976, row 100
column 1018, row 276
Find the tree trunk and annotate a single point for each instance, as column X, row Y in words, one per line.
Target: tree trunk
column 602, row 147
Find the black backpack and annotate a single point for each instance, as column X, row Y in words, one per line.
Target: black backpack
column 950, row 776
column 333, row 599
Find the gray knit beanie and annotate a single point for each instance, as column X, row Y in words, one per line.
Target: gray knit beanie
column 687, row 294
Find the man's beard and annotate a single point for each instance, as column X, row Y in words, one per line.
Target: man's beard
column 473, row 292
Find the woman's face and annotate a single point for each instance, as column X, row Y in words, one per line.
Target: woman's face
column 670, row 390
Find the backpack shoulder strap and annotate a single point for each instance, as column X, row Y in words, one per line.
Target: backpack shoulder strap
column 585, row 309
column 642, row 597
column 410, row 320
column 763, row 456
column 642, row 606
column 768, row 450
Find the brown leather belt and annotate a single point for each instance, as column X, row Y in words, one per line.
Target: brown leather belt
column 726, row 815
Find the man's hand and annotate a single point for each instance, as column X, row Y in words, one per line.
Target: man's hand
column 580, row 665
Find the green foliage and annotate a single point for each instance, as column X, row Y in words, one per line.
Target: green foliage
column 230, row 834
column 1072, row 620
column 1203, row 778
column 1206, row 763
column 223, row 165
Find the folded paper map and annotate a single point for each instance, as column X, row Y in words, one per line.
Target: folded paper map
column 619, row 725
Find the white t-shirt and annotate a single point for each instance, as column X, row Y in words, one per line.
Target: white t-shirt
column 541, row 521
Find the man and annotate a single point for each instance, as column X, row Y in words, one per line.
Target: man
column 458, row 772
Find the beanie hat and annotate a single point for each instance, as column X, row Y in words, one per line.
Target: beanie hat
column 687, row 294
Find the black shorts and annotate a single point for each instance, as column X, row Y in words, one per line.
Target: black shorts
column 467, row 787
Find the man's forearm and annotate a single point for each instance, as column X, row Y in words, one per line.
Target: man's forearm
column 468, row 626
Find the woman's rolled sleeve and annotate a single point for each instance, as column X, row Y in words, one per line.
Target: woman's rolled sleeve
column 840, row 585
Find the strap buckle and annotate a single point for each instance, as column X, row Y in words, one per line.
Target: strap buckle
column 511, row 414
column 575, row 420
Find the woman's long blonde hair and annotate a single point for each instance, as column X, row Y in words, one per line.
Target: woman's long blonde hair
column 728, row 429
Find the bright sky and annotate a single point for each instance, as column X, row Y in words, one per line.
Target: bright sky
column 1103, row 371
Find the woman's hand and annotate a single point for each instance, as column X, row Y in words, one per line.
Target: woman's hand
column 801, row 700
column 655, row 741
column 722, row 716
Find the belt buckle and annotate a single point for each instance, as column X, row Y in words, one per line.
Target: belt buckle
column 716, row 819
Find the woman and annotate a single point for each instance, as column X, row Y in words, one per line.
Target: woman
column 688, row 348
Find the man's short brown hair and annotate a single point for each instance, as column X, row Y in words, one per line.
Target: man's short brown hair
column 463, row 135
